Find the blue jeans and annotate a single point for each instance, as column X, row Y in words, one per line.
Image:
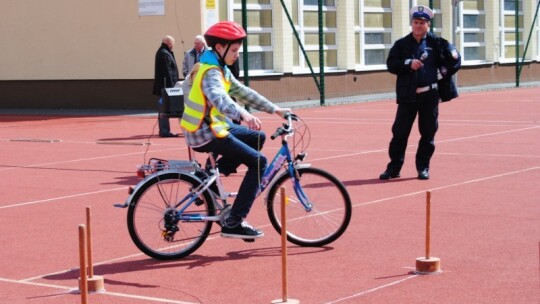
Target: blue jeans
column 241, row 146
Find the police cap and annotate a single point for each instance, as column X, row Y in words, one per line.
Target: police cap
column 421, row 12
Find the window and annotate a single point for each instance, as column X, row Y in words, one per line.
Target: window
column 306, row 21
column 472, row 20
column 373, row 32
column 260, row 34
column 508, row 30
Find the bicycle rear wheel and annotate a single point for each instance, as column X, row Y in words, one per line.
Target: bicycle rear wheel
column 331, row 207
column 152, row 219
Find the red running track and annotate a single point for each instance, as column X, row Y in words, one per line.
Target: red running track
column 485, row 211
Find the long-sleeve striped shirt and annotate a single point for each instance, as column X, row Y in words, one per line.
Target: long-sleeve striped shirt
column 214, row 91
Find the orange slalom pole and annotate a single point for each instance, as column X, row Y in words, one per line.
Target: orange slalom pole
column 428, row 223
column 284, row 244
column 89, row 244
column 83, row 283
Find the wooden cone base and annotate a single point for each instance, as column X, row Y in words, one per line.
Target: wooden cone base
column 96, row 284
column 429, row 265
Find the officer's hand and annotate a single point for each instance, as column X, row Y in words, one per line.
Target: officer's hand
column 416, row 64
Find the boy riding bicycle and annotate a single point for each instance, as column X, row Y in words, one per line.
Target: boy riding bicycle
column 207, row 126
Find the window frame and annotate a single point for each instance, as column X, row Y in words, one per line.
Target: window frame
column 361, row 30
column 302, row 66
column 463, row 31
column 503, row 43
column 232, row 7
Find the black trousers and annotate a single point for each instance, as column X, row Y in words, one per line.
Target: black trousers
column 427, row 108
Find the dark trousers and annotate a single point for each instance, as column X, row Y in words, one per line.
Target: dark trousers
column 427, row 107
column 241, row 146
column 163, row 122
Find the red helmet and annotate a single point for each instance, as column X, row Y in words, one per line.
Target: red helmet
column 224, row 32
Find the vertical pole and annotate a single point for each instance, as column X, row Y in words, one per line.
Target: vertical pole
column 89, row 244
column 516, row 3
column 433, row 20
column 528, row 40
column 284, row 244
column 428, row 223
column 83, row 283
column 245, row 54
column 455, row 21
column 321, row 53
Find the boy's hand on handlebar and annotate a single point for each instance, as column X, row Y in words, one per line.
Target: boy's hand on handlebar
column 282, row 111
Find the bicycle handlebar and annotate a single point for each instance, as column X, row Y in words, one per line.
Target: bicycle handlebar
column 287, row 127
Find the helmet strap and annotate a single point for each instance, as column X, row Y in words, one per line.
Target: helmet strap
column 222, row 58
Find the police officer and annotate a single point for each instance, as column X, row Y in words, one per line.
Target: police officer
column 419, row 62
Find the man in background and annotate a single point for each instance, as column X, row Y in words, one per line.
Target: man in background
column 192, row 56
column 165, row 76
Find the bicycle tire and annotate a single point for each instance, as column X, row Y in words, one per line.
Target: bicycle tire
column 331, row 211
column 150, row 210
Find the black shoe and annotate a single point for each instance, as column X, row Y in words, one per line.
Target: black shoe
column 241, row 231
column 388, row 174
column 168, row 135
column 423, row 174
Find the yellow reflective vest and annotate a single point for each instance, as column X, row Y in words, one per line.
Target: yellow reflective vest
column 196, row 106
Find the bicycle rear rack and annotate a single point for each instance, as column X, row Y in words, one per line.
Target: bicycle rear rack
column 156, row 164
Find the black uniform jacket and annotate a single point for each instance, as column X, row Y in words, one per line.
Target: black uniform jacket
column 165, row 71
column 399, row 63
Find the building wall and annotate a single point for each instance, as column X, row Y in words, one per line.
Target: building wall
column 89, row 39
column 100, row 54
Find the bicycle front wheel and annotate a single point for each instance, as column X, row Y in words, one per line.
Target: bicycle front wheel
column 330, row 204
column 153, row 221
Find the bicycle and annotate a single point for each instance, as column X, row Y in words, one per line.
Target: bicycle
column 171, row 211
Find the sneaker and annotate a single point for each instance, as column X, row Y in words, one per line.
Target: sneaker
column 241, row 231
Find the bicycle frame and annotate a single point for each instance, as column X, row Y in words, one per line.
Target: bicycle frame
column 282, row 156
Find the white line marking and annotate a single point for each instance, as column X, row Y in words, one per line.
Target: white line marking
column 83, row 159
column 160, row 300
column 70, row 289
column 36, row 284
column 373, row 289
column 436, row 142
column 448, row 186
column 61, row 197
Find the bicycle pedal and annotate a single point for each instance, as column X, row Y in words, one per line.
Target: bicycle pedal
column 198, row 202
column 249, row 240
